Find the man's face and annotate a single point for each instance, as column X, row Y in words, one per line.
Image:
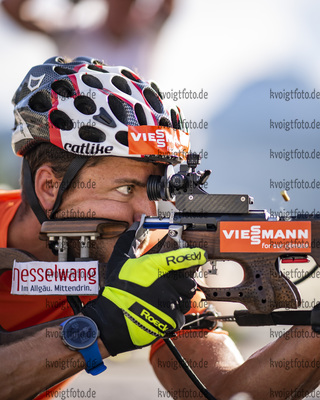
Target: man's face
column 115, row 188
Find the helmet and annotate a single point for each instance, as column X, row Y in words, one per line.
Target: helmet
column 91, row 109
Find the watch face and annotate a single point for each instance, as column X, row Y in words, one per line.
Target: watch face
column 80, row 332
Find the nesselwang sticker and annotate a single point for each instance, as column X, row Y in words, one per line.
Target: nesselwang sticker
column 265, row 236
column 52, row 278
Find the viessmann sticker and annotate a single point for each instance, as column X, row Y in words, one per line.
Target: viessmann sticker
column 160, row 140
column 265, row 236
column 53, row 278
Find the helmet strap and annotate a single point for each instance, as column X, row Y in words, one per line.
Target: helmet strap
column 74, row 167
column 31, row 193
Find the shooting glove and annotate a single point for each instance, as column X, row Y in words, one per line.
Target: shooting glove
column 144, row 298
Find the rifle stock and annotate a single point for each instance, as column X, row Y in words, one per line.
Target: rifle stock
column 264, row 287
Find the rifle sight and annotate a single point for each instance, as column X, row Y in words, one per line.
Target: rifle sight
column 186, row 181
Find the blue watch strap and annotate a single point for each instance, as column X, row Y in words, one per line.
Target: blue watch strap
column 91, row 354
column 93, row 359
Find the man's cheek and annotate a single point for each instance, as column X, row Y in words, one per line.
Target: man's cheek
column 109, row 246
column 103, row 249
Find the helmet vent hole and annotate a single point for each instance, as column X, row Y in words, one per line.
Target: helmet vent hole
column 92, row 81
column 63, row 88
column 156, row 88
column 97, row 68
column 63, row 70
column 40, row 102
column 91, row 134
column 118, row 108
column 121, row 84
column 85, row 105
column 122, row 137
column 141, row 116
column 153, row 99
column 61, row 120
column 130, row 75
column 163, row 121
column 175, row 119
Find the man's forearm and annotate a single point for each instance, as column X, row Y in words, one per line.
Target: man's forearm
column 288, row 368
column 289, row 364
column 36, row 363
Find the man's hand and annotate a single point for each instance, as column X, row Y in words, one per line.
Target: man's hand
column 144, row 298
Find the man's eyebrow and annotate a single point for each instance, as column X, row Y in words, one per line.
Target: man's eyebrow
column 130, row 181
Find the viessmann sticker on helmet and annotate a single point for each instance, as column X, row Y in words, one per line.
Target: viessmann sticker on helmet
column 158, row 140
column 265, row 236
column 53, row 278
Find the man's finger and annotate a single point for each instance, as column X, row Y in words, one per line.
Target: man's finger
column 153, row 266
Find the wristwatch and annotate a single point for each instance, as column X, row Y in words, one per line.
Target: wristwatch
column 81, row 333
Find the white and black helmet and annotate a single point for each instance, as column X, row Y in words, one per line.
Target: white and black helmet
column 89, row 109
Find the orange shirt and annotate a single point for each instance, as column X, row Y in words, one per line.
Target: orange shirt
column 9, row 203
column 19, row 311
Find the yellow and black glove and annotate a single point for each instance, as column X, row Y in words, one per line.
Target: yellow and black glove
column 144, row 298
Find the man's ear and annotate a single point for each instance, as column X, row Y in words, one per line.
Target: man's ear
column 46, row 187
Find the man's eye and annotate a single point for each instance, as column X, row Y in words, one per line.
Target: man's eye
column 127, row 189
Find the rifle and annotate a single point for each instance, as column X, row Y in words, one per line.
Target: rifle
column 227, row 229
